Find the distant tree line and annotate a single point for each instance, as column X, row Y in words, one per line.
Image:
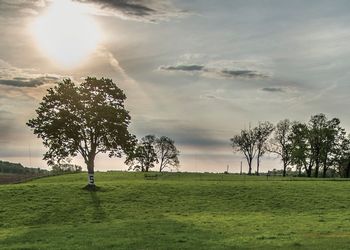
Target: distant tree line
column 58, row 168
column 318, row 148
column 17, row 168
column 65, row 168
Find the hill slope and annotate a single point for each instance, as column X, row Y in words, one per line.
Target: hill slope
column 175, row 211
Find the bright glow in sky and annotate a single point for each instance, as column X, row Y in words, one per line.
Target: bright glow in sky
column 65, row 34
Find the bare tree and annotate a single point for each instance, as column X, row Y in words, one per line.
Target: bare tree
column 245, row 142
column 262, row 133
column 167, row 153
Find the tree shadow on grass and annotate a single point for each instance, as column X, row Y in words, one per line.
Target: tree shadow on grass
column 98, row 212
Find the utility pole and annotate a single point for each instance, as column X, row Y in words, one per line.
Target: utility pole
column 240, row 172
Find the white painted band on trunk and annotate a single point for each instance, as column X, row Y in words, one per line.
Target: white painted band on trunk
column 91, row 179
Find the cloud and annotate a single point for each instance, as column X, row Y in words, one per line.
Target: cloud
column 209, row 96
column 243, row 73
column 273, row 89
column 129, row 7
column 140, row 10
column 192, row 67
column 17, row 77
column 218, row 70
column 28, row 82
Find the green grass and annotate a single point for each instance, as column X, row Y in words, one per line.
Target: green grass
column 175, row 211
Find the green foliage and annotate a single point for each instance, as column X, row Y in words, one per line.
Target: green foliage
column 319, row 143
column 300, row 150
column 176, row 211
column 343, row 161
column 281, row 143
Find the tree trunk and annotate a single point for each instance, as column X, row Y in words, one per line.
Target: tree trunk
column 91, row 171
column 348, row 170
column 284, row 168
column 325, row 168
column 308, row 170
column 250, row 166
column 161, row 166
column 324, row 172
column 257, row 165
column 317, row 167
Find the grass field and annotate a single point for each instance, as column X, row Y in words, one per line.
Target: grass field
column 175, row 211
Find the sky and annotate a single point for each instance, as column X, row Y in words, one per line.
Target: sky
column 196, row 71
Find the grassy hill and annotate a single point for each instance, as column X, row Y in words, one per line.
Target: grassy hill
column 175, row 211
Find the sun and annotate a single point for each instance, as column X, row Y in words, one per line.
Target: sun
column 65, row 33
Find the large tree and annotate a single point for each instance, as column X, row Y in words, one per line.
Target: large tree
column 332, row 144
column 144, row 156
column 167, row 153
column 316, row 126
column 319, row 144
column 343, row 160
column 301, row 154
column 325, row 138
column 262, row 134
column 85, row 119
column 245, row 142
column 280, row 143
